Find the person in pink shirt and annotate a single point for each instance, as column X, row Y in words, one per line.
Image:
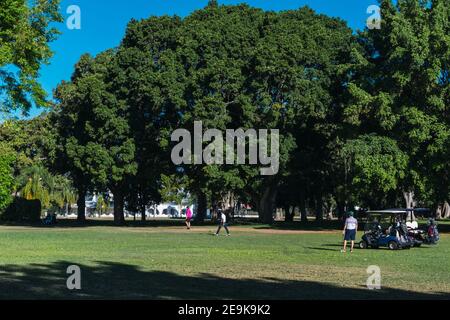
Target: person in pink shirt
column 188, row 217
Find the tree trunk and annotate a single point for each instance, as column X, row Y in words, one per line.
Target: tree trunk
column 340, row 210
column 319, row 208
column 330, row 213
column 303, row 213
column 81, row 203
column 445, row 210
column 267, row 205
column 288, row 214
column 118, row 208
column 438, row 213
column 409, row 199
column 143, row 217
column 202, row 207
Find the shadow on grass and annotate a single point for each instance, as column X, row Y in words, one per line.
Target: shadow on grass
column 322, row 249
column 338, row 247
column 110, row 280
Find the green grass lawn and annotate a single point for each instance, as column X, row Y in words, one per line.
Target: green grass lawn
column 256, row 262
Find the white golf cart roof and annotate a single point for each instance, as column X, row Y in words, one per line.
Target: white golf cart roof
column 393, row 211
column 399, row 210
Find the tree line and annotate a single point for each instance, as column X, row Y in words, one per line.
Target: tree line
column 363, row 117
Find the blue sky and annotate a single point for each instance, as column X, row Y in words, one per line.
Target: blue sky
column 103, row 24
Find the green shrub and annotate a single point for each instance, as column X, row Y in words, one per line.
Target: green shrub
column 6, row 176
column 23, row 210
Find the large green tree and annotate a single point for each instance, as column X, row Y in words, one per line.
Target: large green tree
column 97, row 145
column 402, row 91
column 246, row 68
column 298, row 75
column 71, row 116
column 148, row 80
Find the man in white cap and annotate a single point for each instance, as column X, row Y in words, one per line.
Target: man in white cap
column 349, row 232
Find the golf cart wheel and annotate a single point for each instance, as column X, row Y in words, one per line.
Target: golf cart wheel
column 363, row 245
column 393, row 245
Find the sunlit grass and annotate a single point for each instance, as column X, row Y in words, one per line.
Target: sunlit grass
column 250, row 254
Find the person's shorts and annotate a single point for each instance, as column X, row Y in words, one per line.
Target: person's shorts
column 188, row 219
column 350, row 235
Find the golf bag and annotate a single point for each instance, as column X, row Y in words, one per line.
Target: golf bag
column 372, row 237
column 432, row 232
column 400, row 230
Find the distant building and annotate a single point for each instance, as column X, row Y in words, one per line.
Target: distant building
column 162, row 210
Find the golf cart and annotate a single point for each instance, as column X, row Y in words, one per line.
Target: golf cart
column 385, row 228
column 428, row 236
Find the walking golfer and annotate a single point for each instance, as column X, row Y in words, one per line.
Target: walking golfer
column 350, row 229
column 223, row 223
column 188, row 218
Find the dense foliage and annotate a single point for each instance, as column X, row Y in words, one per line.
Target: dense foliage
column 363, row 118
column 24, row 36
column 6, row 175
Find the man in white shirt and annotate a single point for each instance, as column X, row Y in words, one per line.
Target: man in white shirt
column 223, row 223
column 350, row 229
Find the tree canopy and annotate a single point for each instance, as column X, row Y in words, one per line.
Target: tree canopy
column 363, row 118
column 25, row 34
column 402, row 91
